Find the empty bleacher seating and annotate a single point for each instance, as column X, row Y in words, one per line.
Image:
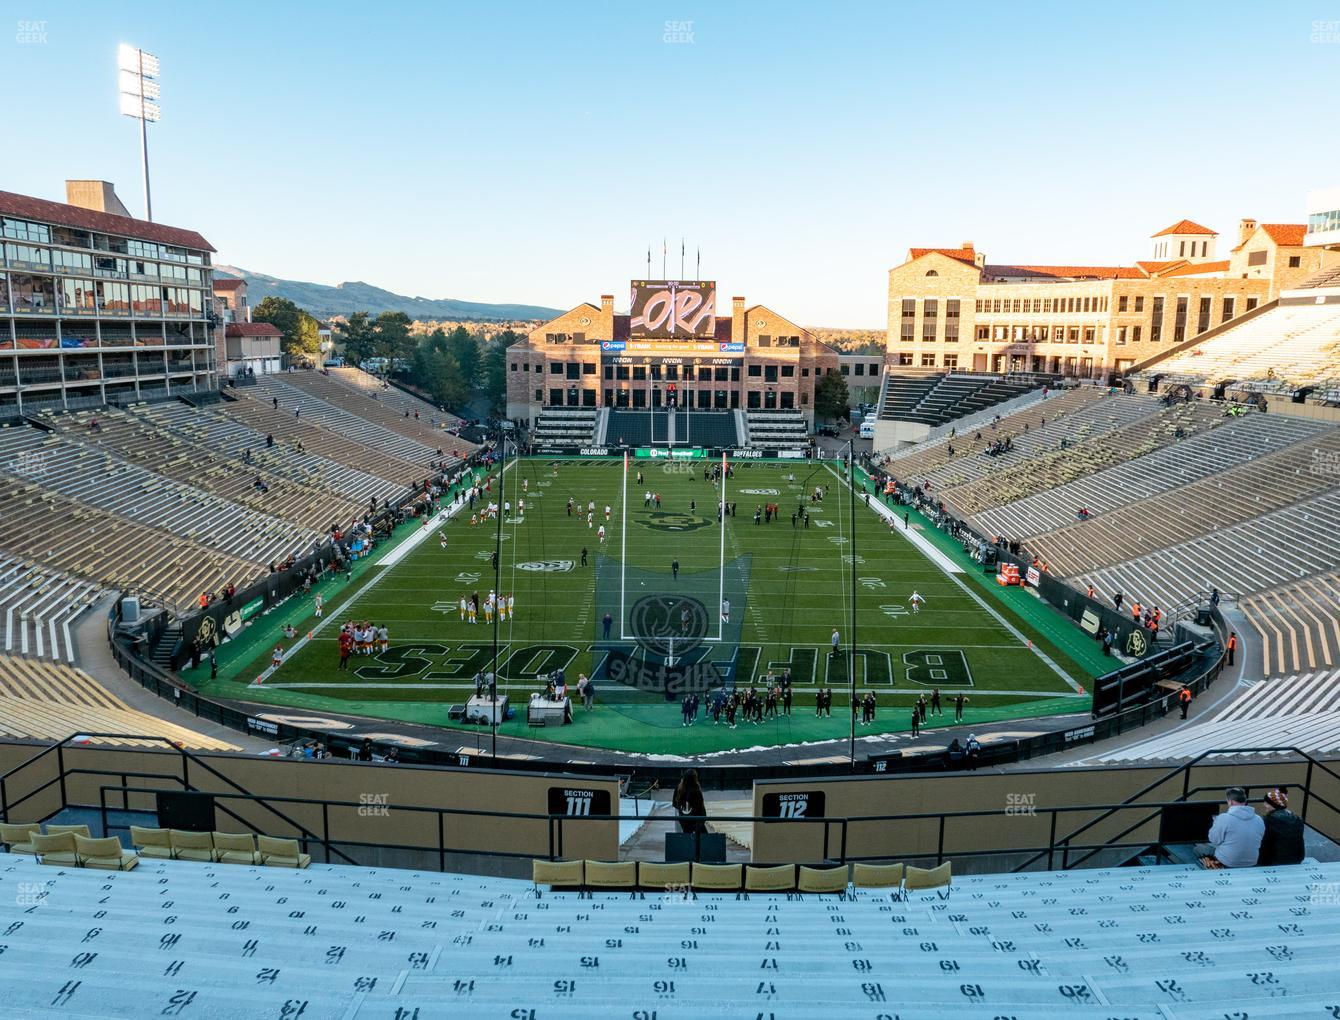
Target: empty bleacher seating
column 1294, row 345
column 51, row 701
column 1236, row 442
column 113, row 485
column 567, row 427
column 777, row 430
column 940, row 398
column 1298, row 624
column 365, row 411
column 37, row 606
column 1149, row 943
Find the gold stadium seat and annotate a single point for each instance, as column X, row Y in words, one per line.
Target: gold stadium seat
column 760, row 878
column 106, row 853
column 235, row 848
column 605, row 875
column 151, row 842
column 651, row 875
column 18, row 837
column 281, row 853
column 557, row 873
column 929, row 878
column 58, row 849
column 74, row 830
column 823, row 880
column 192, row 846
column 716, row 877
column 877, row 876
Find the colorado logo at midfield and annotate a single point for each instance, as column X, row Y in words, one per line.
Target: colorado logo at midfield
column 667, row 520
column 547, row 566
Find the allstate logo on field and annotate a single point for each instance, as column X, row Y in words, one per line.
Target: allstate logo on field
column 547, row 566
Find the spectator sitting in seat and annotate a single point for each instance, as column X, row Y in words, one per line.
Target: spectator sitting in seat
column 1282, row 842
column 1235, row 836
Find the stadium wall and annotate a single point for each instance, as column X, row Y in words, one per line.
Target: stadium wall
column 1014, row 808
column 375, row 799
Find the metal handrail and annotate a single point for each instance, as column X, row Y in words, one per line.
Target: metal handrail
column 186, row 758
column 1184, row 769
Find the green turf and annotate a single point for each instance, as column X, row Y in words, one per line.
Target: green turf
column 799, row 590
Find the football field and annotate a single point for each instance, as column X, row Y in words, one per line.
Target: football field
column 789, row 585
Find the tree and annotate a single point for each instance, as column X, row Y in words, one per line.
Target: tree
column 393, row 339
column 357, row 338
column 495, row 368
column 830, row 396
column 465, row 349
column 282, row 313
column 307, row 340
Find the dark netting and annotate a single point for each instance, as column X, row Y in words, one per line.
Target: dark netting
column 660, row 636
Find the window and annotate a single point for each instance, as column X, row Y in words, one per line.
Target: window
column 1295, row 261
column 928, row 330
column 609, row 371
column 770, row 373
column 846, row 369
column 1135, row 335
column 951, row 308
column 1181, row 249
column 756, row 371
column 1203, row 316
column 1088, row 334
column 621, row 372
column 1251, row 303
column 860, row 368
column 1156, row 321
column 909, row 308
column 588, row 368
column 639, row 373
column 928, row 360
column 905, row 358
column 908, row 333
column 555, row 368
column 788, row 371
column 1139, row 302
column 1179, row 319
column 1227, row 311
column 24, row 230
column 1121, row 334
column 1257, row 258
column 1122, row 302
column 951, row 361
column 932, row 272
column 930, row 308
column 951, row 334
column 751, row 400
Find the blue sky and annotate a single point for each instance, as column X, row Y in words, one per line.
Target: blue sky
column 531, row 151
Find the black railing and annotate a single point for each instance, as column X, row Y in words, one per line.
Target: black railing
column 185, row 757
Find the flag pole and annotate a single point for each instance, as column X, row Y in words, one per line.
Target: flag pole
column 721, row 511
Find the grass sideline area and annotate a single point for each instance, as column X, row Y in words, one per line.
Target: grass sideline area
column 1009, row 653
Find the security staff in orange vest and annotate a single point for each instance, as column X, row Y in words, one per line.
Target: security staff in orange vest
column 1232, row 646
column 1184, row 699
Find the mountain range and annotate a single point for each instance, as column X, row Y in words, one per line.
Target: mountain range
column 324, row 301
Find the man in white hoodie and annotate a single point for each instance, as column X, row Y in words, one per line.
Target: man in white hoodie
column 1235, row 835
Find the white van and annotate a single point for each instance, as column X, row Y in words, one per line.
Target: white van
column 868, row 428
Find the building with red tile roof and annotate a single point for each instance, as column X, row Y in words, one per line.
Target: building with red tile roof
column 96, row 306
column 951, row 309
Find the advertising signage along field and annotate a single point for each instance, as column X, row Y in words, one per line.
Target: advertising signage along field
column 670, row 453
column 667, row 309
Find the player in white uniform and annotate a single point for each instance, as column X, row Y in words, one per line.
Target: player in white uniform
column 464, row 602
column 601, row 534
column 916, row 601
column 511, row 607
column 725, row 610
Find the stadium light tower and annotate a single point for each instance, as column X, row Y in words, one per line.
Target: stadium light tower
column 138, row 80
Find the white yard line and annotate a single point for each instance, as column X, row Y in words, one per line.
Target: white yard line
column 394, row 556
column 953, row 570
